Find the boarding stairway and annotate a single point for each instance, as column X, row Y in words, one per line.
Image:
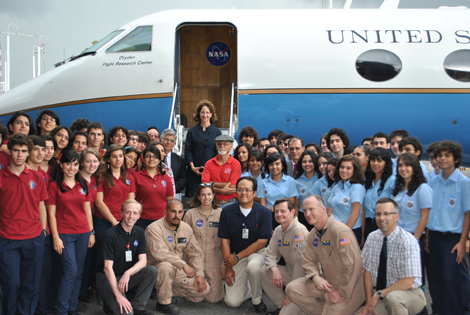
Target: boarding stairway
column 178, row 121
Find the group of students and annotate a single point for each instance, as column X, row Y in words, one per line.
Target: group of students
column 83, row 186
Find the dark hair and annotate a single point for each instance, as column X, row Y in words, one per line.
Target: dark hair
column 432, row 148
column 208, row 104
column 333, row 161
column 69, row 132
column 379, row 154
column 263, row 139
column 317, row 147
column 283, row 137
column 367, row 139
column 389, row 200
column 414, row 142
column 364, row 148
column 108, row 173
column 380, row 134
column 452, row 147
column 79, row 124
column 196, row 202
column 269, row 147
column 340, row 133
column 251, row 179
column 416, row 180
column 69, row 156
column 49, row 113
column 358, row 175
column 3, row 132
column 400, row 133
column 143, row 137
column 153, row 149
column 79, row 133
column 38, row 140
column 300, row 169
column 96, row 125
column 273, row 158
column 115, row 130
column 290, row 205
column 128, row 150
column 32, row 129
column 53, row 163
column 133, row 133
column 326, row 155
column 249, row 131
column 249, row 148
column 349, row 149
column 259, row 156
column 275, row 133
column 153, row 127
column 100, row 169
column 21, row 140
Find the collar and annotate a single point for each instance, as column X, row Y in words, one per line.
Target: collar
column 199, row 209
column 328, row 222
column 167, row 226
column 392, row 235
column 122, row 231
column 10, row 173
column 294, row 222
column 229, row 161
column 453, row 177
column 283, row 178
column 347, row 184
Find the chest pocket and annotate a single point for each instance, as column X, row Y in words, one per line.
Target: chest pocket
column 345, row 200
column 452, row 203
column 181, row 243
column 303, row 191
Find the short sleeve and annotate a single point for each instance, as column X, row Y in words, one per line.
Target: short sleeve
column 261, row 189
column 293, row 192
column 108, row 247
column 132, row 185
column 425, row 196
column 357, row 193
column 52, row 191
column 265, row 224
column 223, row 225
column 465, row 196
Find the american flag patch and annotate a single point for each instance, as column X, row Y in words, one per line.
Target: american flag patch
column 299, row 238
column 344, row 240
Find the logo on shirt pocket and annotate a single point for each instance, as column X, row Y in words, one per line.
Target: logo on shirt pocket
column 32, row 185
column 452, row 202
column 170, row 239
column 323, row 190
column 82, row 191
column 265, row 191
column 136, row 243
column 346, row 200
column 410, row 205
column 228, row 171
column 163, row 183
column 128, row 182
column 303, row 190
column 199, row 223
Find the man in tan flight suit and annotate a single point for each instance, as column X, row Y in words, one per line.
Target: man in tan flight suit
column 288, row 241
column 340, row 288
column 167, row 240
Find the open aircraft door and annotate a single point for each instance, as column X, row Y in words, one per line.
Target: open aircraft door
column 205, row 68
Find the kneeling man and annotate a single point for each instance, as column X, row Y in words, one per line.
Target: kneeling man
column 167, row 240
column 339, row 289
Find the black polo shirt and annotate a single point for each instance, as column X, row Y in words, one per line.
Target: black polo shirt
column 232, row 222
column 116, row 242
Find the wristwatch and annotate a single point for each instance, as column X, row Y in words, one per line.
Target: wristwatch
column 379, row 294
column 237, row 257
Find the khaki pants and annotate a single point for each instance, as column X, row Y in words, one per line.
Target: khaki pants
column 247, row 280
column 172, row 281
column 305, row 295
column 275, row 294
column 401, row 303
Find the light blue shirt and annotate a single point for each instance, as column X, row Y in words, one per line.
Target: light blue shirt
column 450, row 202
column 433, row 174
column 372, row 195
column 327, row 194
column 259, row 179
column 425, row 172
column 341, row 201
column 272, row 191
column 394, row 166
column 320, row 186
column 410, row 206
column 305, row 187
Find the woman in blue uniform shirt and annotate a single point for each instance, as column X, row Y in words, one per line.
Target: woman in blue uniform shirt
column 330, row 179
column 256, row 168
column 379, row 184
column 347, row 196
column 322, row 184
column 306, row 177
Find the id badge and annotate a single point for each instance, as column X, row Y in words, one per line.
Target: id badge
column 245, row 234
column 128, row 255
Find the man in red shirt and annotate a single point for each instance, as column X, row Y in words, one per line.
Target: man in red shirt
column 22, row 229
column 223, row 171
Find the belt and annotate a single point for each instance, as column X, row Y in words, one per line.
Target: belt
column 226, row 201
column 370, row 220
column 445, row 233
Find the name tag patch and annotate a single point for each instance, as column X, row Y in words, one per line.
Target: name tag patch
column 181, row 240
column 214, row 224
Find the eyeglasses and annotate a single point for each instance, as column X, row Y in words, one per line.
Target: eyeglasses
column 206, row 184
column 151, row 157
column 294, row 149
column 48, row 118
column 133, row 139
column 385, row 214
column 241, row 191
column 169, row 140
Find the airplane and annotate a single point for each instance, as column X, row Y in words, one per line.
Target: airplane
column 301, row 71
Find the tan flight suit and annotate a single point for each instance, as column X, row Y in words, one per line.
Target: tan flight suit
column 205, row 230
column 288, row 244
column 165, row 249
column 339, row 255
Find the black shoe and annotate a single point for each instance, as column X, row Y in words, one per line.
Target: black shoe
column 275, row 312
column 141, row 312
column 168, row 309
column 260, row 308
column 174, row 300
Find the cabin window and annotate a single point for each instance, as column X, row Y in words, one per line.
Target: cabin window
column 457, row 65
column 139, row 39
column 104, row 41
column 378, row 65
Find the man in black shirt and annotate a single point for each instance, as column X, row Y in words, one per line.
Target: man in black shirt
column 123, row 264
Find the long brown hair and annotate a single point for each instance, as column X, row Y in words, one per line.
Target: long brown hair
column 108, row 173
column 197, row 115
column 195, row 202
column 99, row 170
column 358, row 175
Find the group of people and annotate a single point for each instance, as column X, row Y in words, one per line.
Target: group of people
column 270, row 214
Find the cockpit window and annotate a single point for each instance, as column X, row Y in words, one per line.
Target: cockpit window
column 457, row 65
column 139, row 39
column 104, row 41
column 378, row 65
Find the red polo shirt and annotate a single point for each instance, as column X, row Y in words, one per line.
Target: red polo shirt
column 230, row 172
column 70, row 211
column 19, row 204
column 114, row 197
column 152, row 193
column 5, row 160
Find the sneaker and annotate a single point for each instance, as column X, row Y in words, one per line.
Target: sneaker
column 168, row 309
column 260, row 308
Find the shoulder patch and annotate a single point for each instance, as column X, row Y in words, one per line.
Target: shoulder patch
column 344, row 240
column 299, row 237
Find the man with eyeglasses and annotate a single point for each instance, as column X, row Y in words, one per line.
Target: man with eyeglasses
column 244, row 229
column 173, row 160
column 392, row 263
column 296, row 148
column 133, row 139
column 154, row 134
column 223, row 171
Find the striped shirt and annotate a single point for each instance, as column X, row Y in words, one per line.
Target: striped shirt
column 403, row 256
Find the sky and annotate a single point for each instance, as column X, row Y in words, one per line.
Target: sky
column 69, row 27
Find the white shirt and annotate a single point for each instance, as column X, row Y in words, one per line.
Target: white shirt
column 245, row 212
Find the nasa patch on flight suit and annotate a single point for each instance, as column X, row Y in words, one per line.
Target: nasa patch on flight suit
column 181, row 240
column 315, row 242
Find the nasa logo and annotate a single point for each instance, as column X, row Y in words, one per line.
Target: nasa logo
column 82, row 191
column 279, row 243
column 163, row 183
column 199, row 223
column 136, row 243
column 315, row 242
column 170, row 239
column 303, row 190
column 218, row 54
column 128, row 182
column 32, row 185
